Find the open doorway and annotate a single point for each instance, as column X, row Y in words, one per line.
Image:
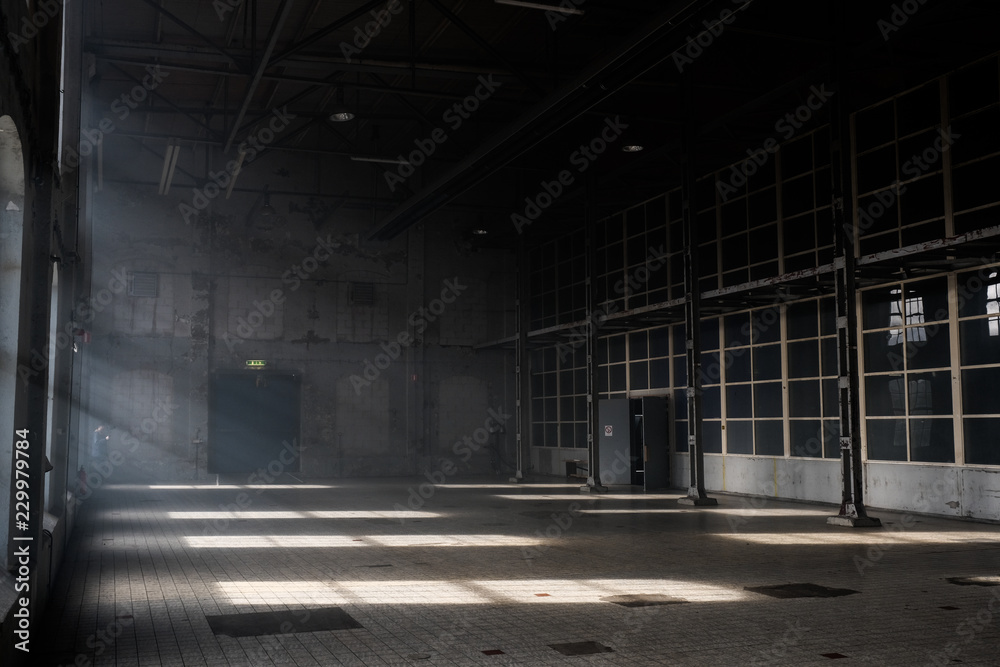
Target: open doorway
column 253, row 422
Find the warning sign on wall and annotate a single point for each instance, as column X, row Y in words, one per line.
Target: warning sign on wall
column 608, row 430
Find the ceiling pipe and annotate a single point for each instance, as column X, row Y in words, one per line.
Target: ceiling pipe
column 572, row 100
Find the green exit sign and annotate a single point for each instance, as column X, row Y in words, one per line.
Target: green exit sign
column 256, row 363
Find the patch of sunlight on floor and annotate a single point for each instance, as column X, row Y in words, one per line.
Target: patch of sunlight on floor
column 521, row 591
column 307, row 514
column 312, row 541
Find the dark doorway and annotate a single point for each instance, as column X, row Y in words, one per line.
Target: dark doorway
column 253, row 422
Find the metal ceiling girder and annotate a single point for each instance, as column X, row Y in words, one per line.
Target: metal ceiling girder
column 156, row 93
column 276, row 25
column 180, row 22
column 486, row 46
column 327, row 30
column 560, row 107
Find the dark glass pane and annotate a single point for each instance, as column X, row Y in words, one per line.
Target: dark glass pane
column 973, row 87
column 831, row 398
column 639, row 375
column 711, row 432
column 919, row 109
column 980, row 135
column 803, row 359
column 659, row 342
column 796, row 157
column 768, row 400
column 829, row 354
column 980, row 340
column 979, row 391
column 710, row 334
column 875, row 126
column 928, row 347
column 734, row 217
column 831, row 439
column 711, row 403
column 887, row 439
column 769, row 437
column 659, row 373
column 807, row 437
column 974, row 184
column 764, row 243
column 616, row 349
column 827, row 317
column 767, row 362
column 876, row 169
column 551, row 435
column 738, row 367
column 602, row 379
column 766, row 325
column 885, row 395
column 932, row 440
column 979, row 292
column 638, row 346
column 982, row 441
column 803, row 398
column 711, row 368
column 739, row 437
column 922, row 200
column 680, row 371
column 930, row 393
column 802, row 322
column 763, row 207
column 739, row 401
column 797, row 195
column 884, row 351
column 926, row 301
column 799, row 234
column 617, row 375
column 881, row 307
column 737, row 329
column 566, row 435
column 735, row 252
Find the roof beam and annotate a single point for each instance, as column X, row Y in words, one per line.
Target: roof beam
column 276, row 25
column 155, row 5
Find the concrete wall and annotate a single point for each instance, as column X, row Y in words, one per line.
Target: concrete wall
column 389, row 387
column 945, row 490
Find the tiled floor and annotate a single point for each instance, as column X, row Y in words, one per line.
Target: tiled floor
column 476, row 569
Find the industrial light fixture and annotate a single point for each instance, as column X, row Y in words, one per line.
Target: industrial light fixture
column 379, row 160
column 633, row 148
column 267, row 210
column 537, row 5
column 479, row 232
column 169, row 165
column 341, row 114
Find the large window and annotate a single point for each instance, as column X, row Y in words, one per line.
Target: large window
column 907, row 369
column 559, row 397
column 979, row 334
column 753, row 372
column 900, row 165
column 813, row 410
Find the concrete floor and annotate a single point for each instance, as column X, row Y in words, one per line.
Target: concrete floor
column 488, row 573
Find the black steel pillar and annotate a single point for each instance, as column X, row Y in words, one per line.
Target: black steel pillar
column 593, row 440
column 692, row 312
column 852, row 506
column 522, row 375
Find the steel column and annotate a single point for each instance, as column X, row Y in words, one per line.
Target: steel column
column 692, row 311
column 852, row 506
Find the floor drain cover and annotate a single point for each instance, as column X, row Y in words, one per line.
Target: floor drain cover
column 786, row 591
column 581, row 648
column 642, row 600
column 282, row 622
column 974, row 581
column 833, row 656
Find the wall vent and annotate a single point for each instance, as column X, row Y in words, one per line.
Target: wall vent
column 143, row 284
column 362, row 294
